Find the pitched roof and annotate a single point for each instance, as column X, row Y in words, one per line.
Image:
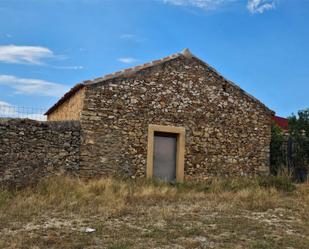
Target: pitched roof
column 129, row 71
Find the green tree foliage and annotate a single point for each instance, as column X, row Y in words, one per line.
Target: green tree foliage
column 277, row 152
column 299, row 126
column 299, row 131
column 291, row 151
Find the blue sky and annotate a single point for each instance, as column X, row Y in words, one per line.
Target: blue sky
column 48, row 46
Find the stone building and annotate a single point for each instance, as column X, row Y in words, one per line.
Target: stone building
column 175, row 118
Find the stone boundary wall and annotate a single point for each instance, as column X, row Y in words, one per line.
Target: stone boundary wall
column 30, row 150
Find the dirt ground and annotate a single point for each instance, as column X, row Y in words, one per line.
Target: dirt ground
column 59, row 213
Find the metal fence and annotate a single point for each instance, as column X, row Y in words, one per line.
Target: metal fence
column 292, row 156
column 10, row 111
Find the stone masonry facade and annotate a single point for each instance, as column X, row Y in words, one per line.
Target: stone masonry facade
column 228, row 132
column 31, row 149
column 69, row 109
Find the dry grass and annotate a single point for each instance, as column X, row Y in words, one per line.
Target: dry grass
column 237, row 213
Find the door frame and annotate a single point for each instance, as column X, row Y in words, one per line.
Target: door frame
column 180, row 154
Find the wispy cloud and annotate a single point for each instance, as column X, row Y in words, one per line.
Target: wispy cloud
column 127, row 36
column 34, row 55
column 3, row 103
column 9, row 111
column 69, row 67
column 253, row 6
column 24, row 54
column 203, row 4
column 259, row 6
column 30, row 86
column 5, row 35
column 127, row 60
column 132, row 37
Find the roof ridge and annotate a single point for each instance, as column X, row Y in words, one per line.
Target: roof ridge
column 131, row 70
column 127, row 71
column 123, row 72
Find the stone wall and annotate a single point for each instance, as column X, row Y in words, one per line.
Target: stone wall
column 227, row 131
column 70, row 109
column 30, row 150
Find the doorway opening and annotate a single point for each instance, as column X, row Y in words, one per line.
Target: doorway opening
column 166, row 147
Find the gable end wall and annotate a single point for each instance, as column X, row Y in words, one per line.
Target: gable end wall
column 70, row 109
column 227, row 132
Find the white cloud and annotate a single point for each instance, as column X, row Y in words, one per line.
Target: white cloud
column 24, row 54
column 259, row 6
column 35, row 116
column 127, row 60
column 127, row 36
column 203, row 4
column 3, row 103
column 33, row 86
column 9, row 111
column 69, row 67
column 5, row 35
column 132, row 37
column 254, row 6
column 31, row 55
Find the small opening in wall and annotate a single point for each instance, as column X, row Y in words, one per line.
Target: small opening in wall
column 224, row 88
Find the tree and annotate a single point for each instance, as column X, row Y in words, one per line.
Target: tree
column 277, row 152
column 299, row 132
column 299, row 126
